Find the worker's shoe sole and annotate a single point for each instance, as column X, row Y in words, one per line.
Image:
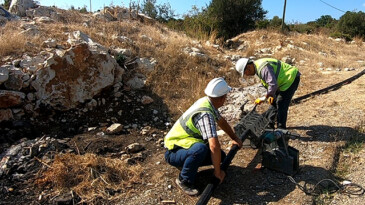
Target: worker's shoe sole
column 188, row 189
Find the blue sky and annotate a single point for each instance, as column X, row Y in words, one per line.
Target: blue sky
column 296, row 10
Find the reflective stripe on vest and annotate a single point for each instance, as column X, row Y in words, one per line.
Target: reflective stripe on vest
column 184, row 134
column 184, row 121
column 284, row 73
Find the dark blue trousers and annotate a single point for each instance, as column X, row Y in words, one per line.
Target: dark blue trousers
column 279, row 109
column 190, row 160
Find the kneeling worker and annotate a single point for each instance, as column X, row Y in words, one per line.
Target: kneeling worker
column 193, row 142
column 281, row 81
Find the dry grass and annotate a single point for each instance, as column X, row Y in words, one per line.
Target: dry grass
column 11, row 42
column 91, row 177
column 179, row 79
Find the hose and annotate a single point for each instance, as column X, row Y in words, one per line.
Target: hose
column 329, row 88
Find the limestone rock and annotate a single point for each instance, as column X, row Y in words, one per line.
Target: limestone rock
column 114, row 128
column 134, row 148
column 19, row 7
column 73, row 78
column 4, row 74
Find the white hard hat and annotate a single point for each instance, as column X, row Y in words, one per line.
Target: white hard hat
column 241, row 65
column 217, row 88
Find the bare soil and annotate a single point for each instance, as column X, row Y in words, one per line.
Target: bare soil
column 325, row 124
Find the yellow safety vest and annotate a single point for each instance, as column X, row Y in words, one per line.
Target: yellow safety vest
column 184, row 134
column 284, row 73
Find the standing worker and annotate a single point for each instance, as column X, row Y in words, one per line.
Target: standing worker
column 193, row 141
column 281, row 81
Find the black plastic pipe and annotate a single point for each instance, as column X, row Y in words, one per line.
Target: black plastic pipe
column 209, row 189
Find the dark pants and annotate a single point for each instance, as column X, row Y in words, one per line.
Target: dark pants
column 279, row 109
column 190, row 160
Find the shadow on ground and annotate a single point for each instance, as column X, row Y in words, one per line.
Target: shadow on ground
column 248, row 185
column 326, row 133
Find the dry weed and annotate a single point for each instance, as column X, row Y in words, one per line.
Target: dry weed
column 90, row 176
column 359, row 40
column 11, row 41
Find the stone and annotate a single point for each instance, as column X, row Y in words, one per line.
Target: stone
column 4, row 73
column 19, row 7
column 134, row 148
column 114, row 128
column 146, row 100
column 5, row 115
column 11, row 98
column 71, row 79
column 137, row 82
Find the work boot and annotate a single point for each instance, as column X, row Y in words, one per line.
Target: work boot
column 187, row 188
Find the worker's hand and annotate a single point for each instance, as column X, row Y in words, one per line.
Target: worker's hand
column 238, row 143
column 220, row 176
column 270, row 100
column 260, row 100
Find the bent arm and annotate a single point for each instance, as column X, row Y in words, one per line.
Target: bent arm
column 222, row 123
column 268, row 76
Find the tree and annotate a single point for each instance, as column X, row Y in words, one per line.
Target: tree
column 162, row 12
column 148, row 7
column 165, row 12
column 83, row 9
column 352, row 23
column 275, row 22
column 232, row 17
column 325, row 21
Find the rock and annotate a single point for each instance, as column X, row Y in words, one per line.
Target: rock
column 11, row 98
column 119, row 72
column 32, row 64
column 43, row 19
column 114, row 128
column 134, row 148
column 19, row 7
column 50, row 43
column 123, row 39
column 65, row 198
column 43, row 11
column 146, row 100
column 199, row 56
column 4, row 73
column 288, row 60
column 220, row 133
column 137, row 82
column 146, row 64
column 77, row 37
column 125, row 52
column 6, row 115
column 16, row 79
column 146, row 38
column 73, row 78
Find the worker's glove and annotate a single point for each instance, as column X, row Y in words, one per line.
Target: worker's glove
column 260, row 100
column 270, row 100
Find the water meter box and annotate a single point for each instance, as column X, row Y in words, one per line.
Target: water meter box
column 281, row 159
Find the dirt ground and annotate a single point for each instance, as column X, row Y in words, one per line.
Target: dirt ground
column 325, row 124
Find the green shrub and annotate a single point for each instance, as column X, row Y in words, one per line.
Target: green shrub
column 352, row 23
column 347, row 37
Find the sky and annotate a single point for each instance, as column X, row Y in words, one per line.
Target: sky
column 297, row 11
